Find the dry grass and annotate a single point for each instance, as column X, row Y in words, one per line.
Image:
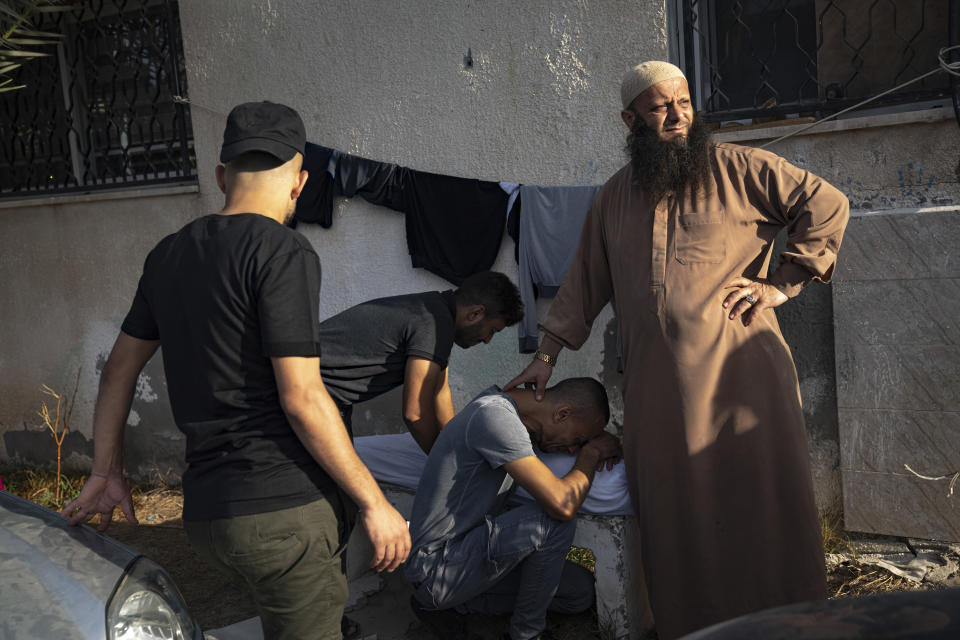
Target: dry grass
column 851, row 578
column 154, row 503
column 40, row 485
column 835, row 539
column 854, row 579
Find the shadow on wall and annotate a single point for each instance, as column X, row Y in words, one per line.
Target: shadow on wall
column 35, row 447
column 807, row 325
column 153, row 446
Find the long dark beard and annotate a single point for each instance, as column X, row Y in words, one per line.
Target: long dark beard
column 662, row 166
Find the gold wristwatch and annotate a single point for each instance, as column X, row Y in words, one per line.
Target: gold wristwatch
column 550, row 360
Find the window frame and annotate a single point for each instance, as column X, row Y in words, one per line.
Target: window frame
column 165, row 155
column 688, row 51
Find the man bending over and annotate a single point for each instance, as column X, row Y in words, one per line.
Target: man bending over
column 468, row 553
column 378, row 345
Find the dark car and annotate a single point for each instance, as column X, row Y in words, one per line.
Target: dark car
column 905, row 615
column 64, row 583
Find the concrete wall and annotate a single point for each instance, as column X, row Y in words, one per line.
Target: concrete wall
column 390, row 81
column 69, row 272
column 897, row 300
column 905, row 162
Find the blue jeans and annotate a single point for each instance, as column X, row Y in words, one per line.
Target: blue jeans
column 510, row 562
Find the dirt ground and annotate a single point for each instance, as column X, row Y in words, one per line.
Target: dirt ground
column 215, row 601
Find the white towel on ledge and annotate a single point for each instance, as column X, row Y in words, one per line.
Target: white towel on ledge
column 398, row 459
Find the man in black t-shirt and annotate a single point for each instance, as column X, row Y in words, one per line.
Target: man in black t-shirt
column 233, row 299
column 406, row 340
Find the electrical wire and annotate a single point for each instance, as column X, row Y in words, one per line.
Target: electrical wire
column 953, row 68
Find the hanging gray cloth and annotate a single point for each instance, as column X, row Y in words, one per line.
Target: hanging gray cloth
column 550, row 225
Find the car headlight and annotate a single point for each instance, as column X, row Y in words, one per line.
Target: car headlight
column 147, row 606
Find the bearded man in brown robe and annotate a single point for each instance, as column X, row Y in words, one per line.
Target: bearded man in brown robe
column 714, row 438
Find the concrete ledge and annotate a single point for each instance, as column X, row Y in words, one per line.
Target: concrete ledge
column 935, row 114
column 120, row 193
column 615, row 546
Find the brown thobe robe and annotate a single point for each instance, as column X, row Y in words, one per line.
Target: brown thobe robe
column 714, row 438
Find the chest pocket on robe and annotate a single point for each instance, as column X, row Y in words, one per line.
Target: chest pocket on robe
column 700, row 237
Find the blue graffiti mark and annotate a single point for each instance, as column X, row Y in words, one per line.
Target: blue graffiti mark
column 913, row 182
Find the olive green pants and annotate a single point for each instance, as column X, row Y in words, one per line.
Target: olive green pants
column 290, row 559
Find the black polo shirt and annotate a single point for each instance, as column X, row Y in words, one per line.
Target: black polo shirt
column 224, row 295
column 365, row 348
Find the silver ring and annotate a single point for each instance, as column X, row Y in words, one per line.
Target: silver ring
column 750, row 299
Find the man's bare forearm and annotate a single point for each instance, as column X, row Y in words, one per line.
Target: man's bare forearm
column 578, row 481
column 109, row 417
column 118, row 382
column 424, row 431
column 558, row 497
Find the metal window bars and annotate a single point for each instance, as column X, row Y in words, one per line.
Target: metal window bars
column 748, row 59
column 103, row 111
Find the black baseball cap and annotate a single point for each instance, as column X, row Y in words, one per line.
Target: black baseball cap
column 263, row 126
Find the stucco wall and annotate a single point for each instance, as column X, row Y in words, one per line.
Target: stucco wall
column 69, row 272
column 390, row 81
column 903, row 162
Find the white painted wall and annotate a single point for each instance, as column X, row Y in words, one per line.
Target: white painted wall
column 68, row 272
column 388, row 81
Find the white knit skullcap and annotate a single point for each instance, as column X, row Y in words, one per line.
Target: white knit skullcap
column 645, row 75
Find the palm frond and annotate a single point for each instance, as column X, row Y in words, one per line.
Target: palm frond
column 3, row 86
column 21, row 54
column 38, row 34
column 53, row 8
column 17, row 31
column 26, row 41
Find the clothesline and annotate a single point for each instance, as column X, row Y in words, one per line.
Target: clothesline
column 454, row 225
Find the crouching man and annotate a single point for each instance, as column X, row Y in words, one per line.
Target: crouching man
column 471, row 555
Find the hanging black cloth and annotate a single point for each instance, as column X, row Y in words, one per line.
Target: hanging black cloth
column 379, row 183
column 454, row 225
column 513, row 227
column 315, row 204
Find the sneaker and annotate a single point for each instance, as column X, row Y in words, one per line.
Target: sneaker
column 445, row 623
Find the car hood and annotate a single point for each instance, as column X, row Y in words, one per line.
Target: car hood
column 57, row 579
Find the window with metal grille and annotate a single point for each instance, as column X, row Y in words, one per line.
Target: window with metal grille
column 103, row 111
column 769, row 58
